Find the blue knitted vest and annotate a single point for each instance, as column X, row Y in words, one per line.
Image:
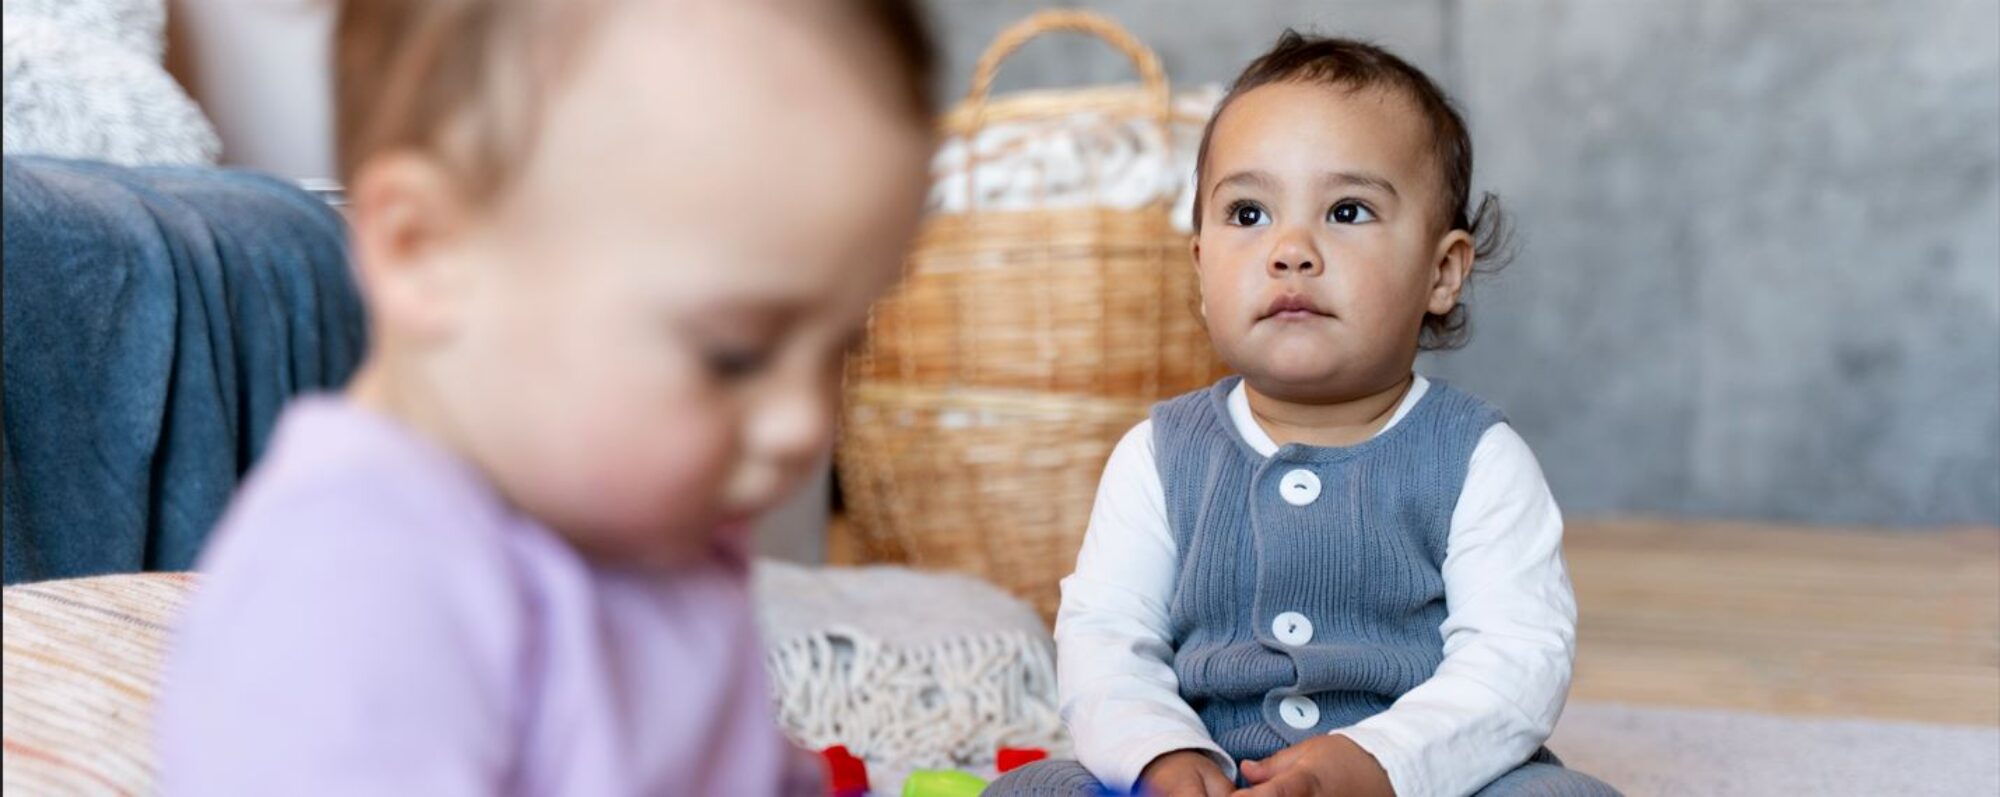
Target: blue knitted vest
column 1293, row 620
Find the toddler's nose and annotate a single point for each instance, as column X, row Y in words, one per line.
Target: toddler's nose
column 1304, row 266
column 790, row 428
column 1295, row 255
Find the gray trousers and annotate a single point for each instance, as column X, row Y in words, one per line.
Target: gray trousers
column 1542, row 776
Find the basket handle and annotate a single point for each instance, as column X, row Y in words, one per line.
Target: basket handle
column 1152, row 78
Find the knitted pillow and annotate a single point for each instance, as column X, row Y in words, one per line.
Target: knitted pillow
column 83, row 79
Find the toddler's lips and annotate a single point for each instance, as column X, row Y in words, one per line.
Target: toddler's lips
column 1293, row 307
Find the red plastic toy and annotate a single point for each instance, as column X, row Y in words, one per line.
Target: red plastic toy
column 1012, row 758
column 846, row 776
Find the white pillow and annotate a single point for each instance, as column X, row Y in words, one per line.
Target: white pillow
column 83, row 79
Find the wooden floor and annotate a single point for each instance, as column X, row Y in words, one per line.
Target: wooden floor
column 1893, row 625
column 1830, row 622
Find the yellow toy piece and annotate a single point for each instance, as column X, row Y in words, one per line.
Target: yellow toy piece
column 943, row 783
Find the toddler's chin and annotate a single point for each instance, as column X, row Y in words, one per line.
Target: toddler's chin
column 1293, row 379
column 734, row 542
column 662, row 546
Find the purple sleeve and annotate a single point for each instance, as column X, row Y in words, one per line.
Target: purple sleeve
column 343, row 649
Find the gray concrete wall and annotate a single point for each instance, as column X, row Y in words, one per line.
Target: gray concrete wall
column 1759, row 262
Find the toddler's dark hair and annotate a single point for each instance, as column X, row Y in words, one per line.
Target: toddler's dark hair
column 1355, row 66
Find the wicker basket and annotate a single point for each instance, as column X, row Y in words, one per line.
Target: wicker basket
column 1019, row 348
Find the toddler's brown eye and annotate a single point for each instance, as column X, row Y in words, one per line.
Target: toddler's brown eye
column 1246, row 215
column 730, row 365
column 1350, row 213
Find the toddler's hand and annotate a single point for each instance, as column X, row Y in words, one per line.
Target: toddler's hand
column 1322, row 765
column 1185, row 773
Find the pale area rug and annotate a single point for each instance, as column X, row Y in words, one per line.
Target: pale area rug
column 1671, row 751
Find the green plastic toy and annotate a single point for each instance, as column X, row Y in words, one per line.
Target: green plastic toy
column 942, row 783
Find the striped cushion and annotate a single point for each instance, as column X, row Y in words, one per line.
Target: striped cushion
column 81, row 660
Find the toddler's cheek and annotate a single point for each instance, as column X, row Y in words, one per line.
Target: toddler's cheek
column 645, row 491
column 679, row 471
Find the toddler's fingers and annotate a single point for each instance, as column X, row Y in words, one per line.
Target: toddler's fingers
column 1253, row 771
column 1296, row 783
column 1215, row 784
column 1284, row 759
column 1259, row 771
column 1279, row 763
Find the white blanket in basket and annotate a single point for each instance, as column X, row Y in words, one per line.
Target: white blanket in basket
column 1085, row 159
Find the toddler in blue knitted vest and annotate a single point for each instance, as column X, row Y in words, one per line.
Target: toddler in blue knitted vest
column 1328, row 575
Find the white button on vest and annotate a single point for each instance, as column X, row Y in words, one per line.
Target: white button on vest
column 1299, row 487
column 1292, row 628
column 1299, row 712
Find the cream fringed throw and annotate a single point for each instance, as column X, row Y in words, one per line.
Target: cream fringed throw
column 906, row 669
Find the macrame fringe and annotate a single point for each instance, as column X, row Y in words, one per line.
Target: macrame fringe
column 945, row 704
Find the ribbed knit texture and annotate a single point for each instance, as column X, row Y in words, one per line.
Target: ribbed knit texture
column 1363, row 563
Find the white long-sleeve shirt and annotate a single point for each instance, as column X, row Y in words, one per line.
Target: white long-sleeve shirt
column 1509, row 631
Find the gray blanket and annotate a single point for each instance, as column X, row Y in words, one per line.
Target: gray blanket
column 157, row 319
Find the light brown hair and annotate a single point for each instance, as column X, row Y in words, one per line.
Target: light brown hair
column 465, row 80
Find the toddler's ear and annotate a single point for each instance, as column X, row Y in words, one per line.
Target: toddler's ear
column 1194, row 258
column 1452, row 265
column 404, row 209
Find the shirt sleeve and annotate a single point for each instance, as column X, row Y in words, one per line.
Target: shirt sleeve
column 332, row 651
column 1119, row 695
column 1509, row 636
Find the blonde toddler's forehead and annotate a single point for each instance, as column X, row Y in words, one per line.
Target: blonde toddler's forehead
column 471, row 83
column 461, row 81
